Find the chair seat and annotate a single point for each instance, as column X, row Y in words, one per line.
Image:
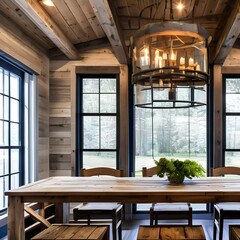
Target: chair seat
column 171, row 207
column 99, row 206
column 228, row 206
column 106, row 211
column 73, row 232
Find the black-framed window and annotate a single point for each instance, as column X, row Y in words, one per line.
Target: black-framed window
column 172, row 133
column 231, row 120
column 17, row 115
column 97, row 121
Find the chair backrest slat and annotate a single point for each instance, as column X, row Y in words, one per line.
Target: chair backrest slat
column 222, row 171
column 149, row 172
column 101, row 171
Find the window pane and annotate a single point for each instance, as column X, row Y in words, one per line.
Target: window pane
column 4, row 160
column 15, row 160
column 14, row 181
column 6, row 108
column 99, row 159
column 108, row 103
column 91, row 85
column 232, row 85
column 143, row 139
column 4, row 186
column 1, row 80
column 232, row 158
column 14, row 84
column 232, row 94
column 6, row 82
column 233, row 132
column 232, row 102
column 14, row 107
column 1, row 106
column 90, row 103
column 108, row 85
column 108, row 132
column 14, row 135
column 2, row 192
column 3, row 133
column 91, row 132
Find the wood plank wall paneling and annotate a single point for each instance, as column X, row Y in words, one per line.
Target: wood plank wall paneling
column 62, row 107
column 60, row 123
column 20, row 47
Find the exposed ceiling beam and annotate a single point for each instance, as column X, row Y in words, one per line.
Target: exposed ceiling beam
column 230, row 32
column 105, row 17
column 56, row 54
column 37, row 14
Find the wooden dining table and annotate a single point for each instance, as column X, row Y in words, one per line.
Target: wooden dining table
column 61, row 190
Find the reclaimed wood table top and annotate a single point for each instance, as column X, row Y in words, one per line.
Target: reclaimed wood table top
column 62, row 190
column 130, row 190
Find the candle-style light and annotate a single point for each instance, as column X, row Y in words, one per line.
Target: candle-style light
column 169, row 55
column 190, row 62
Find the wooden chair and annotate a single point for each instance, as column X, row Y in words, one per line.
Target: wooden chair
column 167, row 211
column 67, row 231
column 31, row 226
column 223, row 211
column 93, row 211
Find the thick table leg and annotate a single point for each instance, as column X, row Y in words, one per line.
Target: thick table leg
column 62, row 212
column 15, row 219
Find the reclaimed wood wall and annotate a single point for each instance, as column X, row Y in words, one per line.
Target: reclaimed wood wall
column 20, row 47
column 60, row 122
column 63, row 107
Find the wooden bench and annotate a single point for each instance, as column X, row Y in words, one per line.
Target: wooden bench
column 74, row 232
column 234, row 232
column 171, row 232
column 67, row 231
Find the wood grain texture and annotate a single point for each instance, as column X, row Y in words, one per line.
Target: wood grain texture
column 130, row 190
column 62, row 107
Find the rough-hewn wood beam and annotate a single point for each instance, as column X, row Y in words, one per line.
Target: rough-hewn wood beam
column 230, row 32
column 36, row 13
column 56, row 54
column 106, row 19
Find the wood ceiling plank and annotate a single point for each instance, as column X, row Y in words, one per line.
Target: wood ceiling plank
column 229, row 33
column 58, row 18
column 91, row 17
column 19, row 34
column 199, row 7
column 36, row 13
column 104, row 14
column 210, row 7
column 70, row 19
column 81, row 19
column 13, row 13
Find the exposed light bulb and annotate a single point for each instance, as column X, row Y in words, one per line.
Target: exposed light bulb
column 48, row 3
column 180, row 6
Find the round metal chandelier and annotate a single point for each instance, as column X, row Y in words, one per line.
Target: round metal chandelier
column 170, row 65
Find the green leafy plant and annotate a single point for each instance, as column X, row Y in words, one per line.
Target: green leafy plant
column 177, row 170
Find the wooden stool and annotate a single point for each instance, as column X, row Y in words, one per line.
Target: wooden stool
column 74, row 232
column 234, row 232
column 171, row 232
